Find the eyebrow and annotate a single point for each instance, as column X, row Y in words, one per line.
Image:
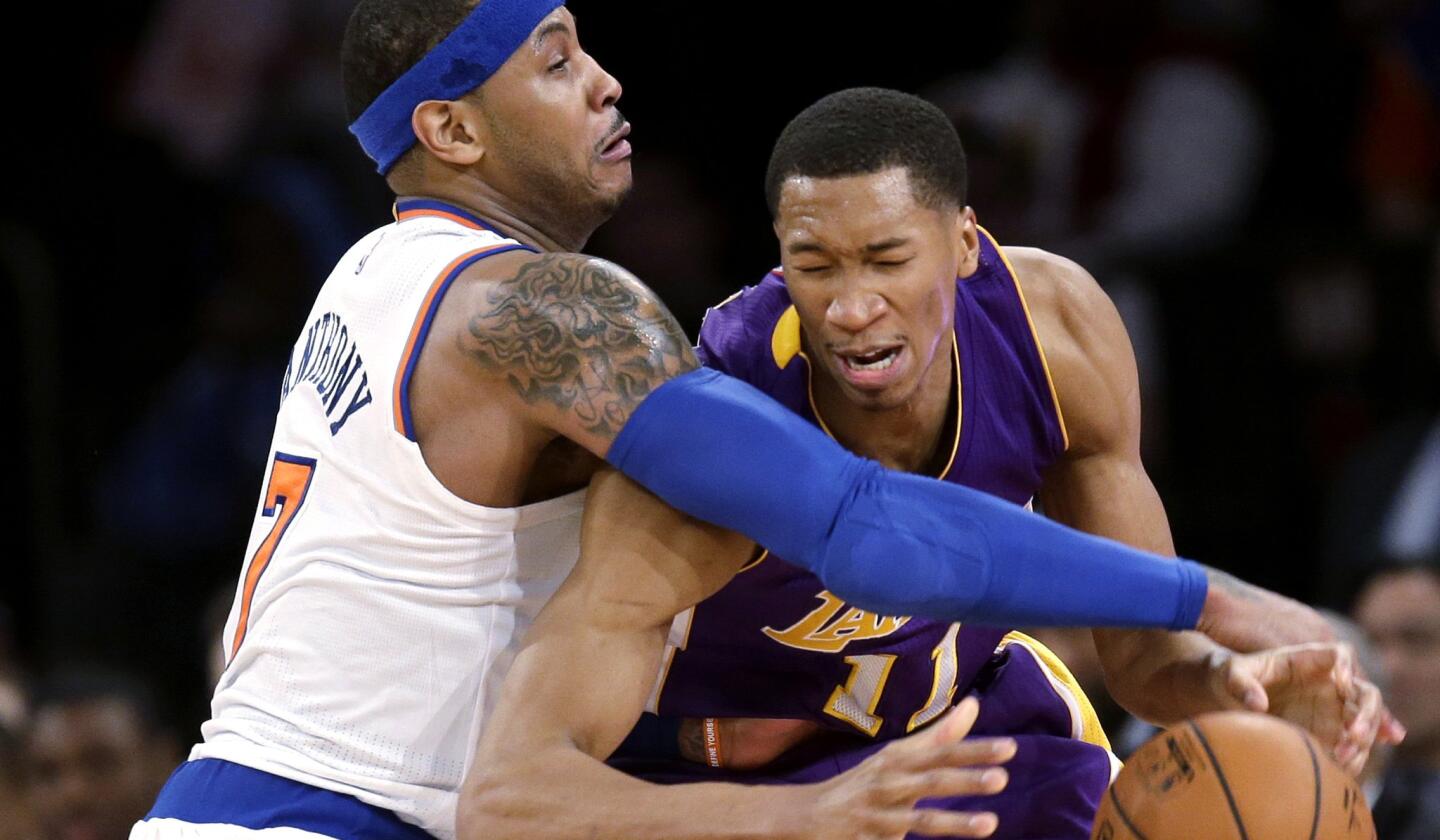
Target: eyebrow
column 877, row 247
column 872, row 248
column 548, row 29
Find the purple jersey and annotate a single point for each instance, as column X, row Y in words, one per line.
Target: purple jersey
column 774, row 642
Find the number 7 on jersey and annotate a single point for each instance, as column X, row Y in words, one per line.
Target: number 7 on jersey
column 285, row 491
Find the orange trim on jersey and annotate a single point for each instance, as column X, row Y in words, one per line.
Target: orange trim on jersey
column 1034, row 334
column 420, row 321
column 439, row 214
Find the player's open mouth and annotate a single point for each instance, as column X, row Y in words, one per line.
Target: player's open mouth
column 872, row 360
column 872, row 367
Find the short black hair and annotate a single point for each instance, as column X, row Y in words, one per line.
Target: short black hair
column 83, row 685
column 385, row 38
column 865, row 130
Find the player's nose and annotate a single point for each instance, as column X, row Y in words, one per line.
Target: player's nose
column 855, row 312
column 606, row 90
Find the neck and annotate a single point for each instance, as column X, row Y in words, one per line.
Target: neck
column 908, row 437
column 511, row 216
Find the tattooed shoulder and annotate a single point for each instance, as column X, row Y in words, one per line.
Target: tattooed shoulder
column 580, row 336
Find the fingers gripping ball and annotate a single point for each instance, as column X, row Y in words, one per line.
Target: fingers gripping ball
column 1233, row 776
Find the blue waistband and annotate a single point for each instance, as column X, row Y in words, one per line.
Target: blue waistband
column 210, row 790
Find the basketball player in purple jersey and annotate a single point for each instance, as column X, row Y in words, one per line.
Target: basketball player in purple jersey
column 1013, row 375
column 906, row 332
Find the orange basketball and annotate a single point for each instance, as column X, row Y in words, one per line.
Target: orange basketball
column 1233, row 776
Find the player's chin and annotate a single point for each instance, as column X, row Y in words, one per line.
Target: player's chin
column 878, row 399
column 612, row 183
column 893, row 394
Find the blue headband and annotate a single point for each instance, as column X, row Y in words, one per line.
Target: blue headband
column 459, row 64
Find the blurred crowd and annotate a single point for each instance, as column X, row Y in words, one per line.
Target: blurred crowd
column 1257, row 185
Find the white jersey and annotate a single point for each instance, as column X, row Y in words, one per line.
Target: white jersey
column 377, row 612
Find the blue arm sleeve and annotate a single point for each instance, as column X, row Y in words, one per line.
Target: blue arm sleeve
column 892, row 543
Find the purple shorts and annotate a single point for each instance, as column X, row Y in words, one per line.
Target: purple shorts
column 1056, row 777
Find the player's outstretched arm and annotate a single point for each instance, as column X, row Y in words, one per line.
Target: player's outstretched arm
column 1100, row 485
column 583, row 349
column 580, row 681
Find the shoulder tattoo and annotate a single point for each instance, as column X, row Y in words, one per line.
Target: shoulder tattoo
column 581, row 335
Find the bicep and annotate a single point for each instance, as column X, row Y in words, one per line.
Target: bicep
column 1099, row 484
column 579, row 343
column 1108, row 494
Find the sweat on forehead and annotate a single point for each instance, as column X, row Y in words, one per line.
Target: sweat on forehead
column 865, row 130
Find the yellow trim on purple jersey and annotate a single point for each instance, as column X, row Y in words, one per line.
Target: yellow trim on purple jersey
column 764, row 553
column 810, row 393
column 1039, row 347
column 959, row 405
column 1088, row 727
column 785, row 339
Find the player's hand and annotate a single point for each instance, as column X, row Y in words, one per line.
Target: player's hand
column 876, row 800
column 1246, row 618
column 1316, row 686
column 744, row 743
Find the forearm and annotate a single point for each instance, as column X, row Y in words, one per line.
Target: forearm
column 891, row 543
column 562, row 793
column 1161, row 677
column 1158, row 676
column 574, row 690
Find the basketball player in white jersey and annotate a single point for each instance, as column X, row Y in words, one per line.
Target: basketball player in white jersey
column 450, row 395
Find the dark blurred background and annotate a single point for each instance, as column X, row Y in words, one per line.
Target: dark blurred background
column 1256, row 184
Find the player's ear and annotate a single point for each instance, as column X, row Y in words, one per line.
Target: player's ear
column 453, row 131
column 967, row 241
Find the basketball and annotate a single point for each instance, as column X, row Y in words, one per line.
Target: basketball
column 1233, row 776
